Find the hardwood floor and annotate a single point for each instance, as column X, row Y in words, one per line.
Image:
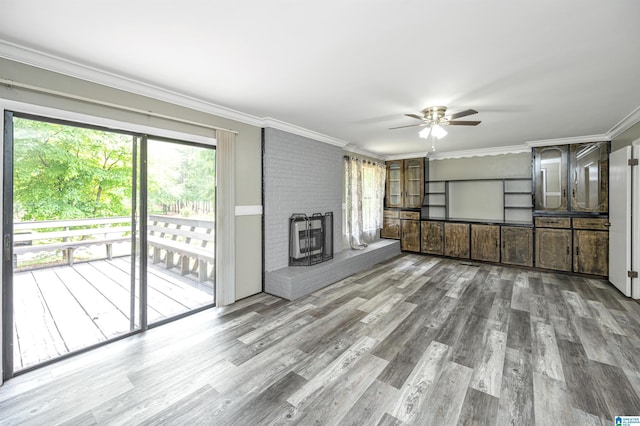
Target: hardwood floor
column 417, row 340
column 62, row 309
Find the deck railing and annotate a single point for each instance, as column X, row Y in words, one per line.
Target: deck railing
column 184, row 243
column 66, row 236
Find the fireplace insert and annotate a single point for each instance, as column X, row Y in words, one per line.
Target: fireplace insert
column 310, row 238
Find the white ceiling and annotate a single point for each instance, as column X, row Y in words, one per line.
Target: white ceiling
column 350, row 69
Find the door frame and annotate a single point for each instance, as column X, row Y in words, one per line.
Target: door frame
column 100, row 123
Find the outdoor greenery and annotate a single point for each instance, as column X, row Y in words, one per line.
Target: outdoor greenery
column 64, row 172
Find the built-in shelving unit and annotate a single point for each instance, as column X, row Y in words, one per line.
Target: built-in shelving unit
column 510, row 199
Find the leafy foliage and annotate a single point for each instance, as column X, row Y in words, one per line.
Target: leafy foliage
column 65, row 172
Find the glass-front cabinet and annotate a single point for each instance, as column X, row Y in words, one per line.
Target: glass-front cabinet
column 572, row 178
column 413, row 182
column 589, row 177
column 395, row 187
column 550, row 165
column 405, row 183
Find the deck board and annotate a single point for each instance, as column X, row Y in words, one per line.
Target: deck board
column 62, row 309
column 38, row 338
column 75, row 326
column 106, row 316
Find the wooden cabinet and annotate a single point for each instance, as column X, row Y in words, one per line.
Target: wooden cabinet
column 553, row 222
column 485, row 242
column 517, row 245
column 456, row 240
column 432, row 237
column 572, row 178
column 413, row 182
column 394, row 188
column 591, row 246
column 589, row 177
column 410, row 231
column 591, row 252
column 550, row 175
column 553, row 249
column 405, row 183
column 578, row 244
column 390, row 225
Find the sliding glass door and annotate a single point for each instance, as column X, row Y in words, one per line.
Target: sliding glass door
column 105, row 232
column 180, row 228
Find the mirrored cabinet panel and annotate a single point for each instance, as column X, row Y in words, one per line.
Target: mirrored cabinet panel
column 550, row 169
column 572, row 178
column 589, row 177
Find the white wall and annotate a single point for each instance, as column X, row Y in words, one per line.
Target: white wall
column 248, row 173
column 487, row 167
column 480, row 200
column 301, row 175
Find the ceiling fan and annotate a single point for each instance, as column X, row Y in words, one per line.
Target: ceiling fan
column 434, row 118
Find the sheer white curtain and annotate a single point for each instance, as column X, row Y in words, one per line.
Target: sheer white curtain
column 364, row 190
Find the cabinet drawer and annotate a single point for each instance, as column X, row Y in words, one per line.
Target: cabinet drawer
column 392, row 214
column 553, row 222
column 410, row 215
column 590, row 223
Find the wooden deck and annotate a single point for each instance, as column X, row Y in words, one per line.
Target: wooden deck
column 66, row 308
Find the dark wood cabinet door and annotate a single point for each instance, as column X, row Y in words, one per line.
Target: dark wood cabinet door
column 432, row 237
column 485, row 242
column 456, row 240
column 410, row 240
column 517, row 245
column 553, row 249
column 390, row 228
column 591, row 252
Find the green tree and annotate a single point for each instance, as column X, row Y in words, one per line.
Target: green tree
column 65, row 172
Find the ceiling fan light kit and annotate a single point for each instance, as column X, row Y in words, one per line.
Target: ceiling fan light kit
column 434, row 119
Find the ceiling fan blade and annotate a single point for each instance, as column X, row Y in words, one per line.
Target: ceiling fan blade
column 464, row 123
column 462, row 114
column 410, row 125
column 415, row 116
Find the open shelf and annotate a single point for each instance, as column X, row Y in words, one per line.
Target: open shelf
column 510, row 199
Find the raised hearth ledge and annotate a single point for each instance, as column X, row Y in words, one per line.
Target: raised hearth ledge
column 295, row 282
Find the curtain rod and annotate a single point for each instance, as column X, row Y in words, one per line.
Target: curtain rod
column 11, row 83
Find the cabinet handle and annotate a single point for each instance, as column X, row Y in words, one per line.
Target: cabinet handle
column 568, row 251
column 564, row 193
column 577, row 251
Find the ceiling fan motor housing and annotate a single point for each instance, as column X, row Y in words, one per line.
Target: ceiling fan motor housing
column 434, row 113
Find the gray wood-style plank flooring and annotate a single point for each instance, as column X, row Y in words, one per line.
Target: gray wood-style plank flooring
column 416, row 340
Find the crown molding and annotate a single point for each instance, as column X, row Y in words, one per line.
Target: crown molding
column 624, row 124
column 405, row 156
column 301, row 131
column 568, row 141
column 357, row 150
column 467, row 153
column 482, row 152
column 70, row 68
column 74, row 69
